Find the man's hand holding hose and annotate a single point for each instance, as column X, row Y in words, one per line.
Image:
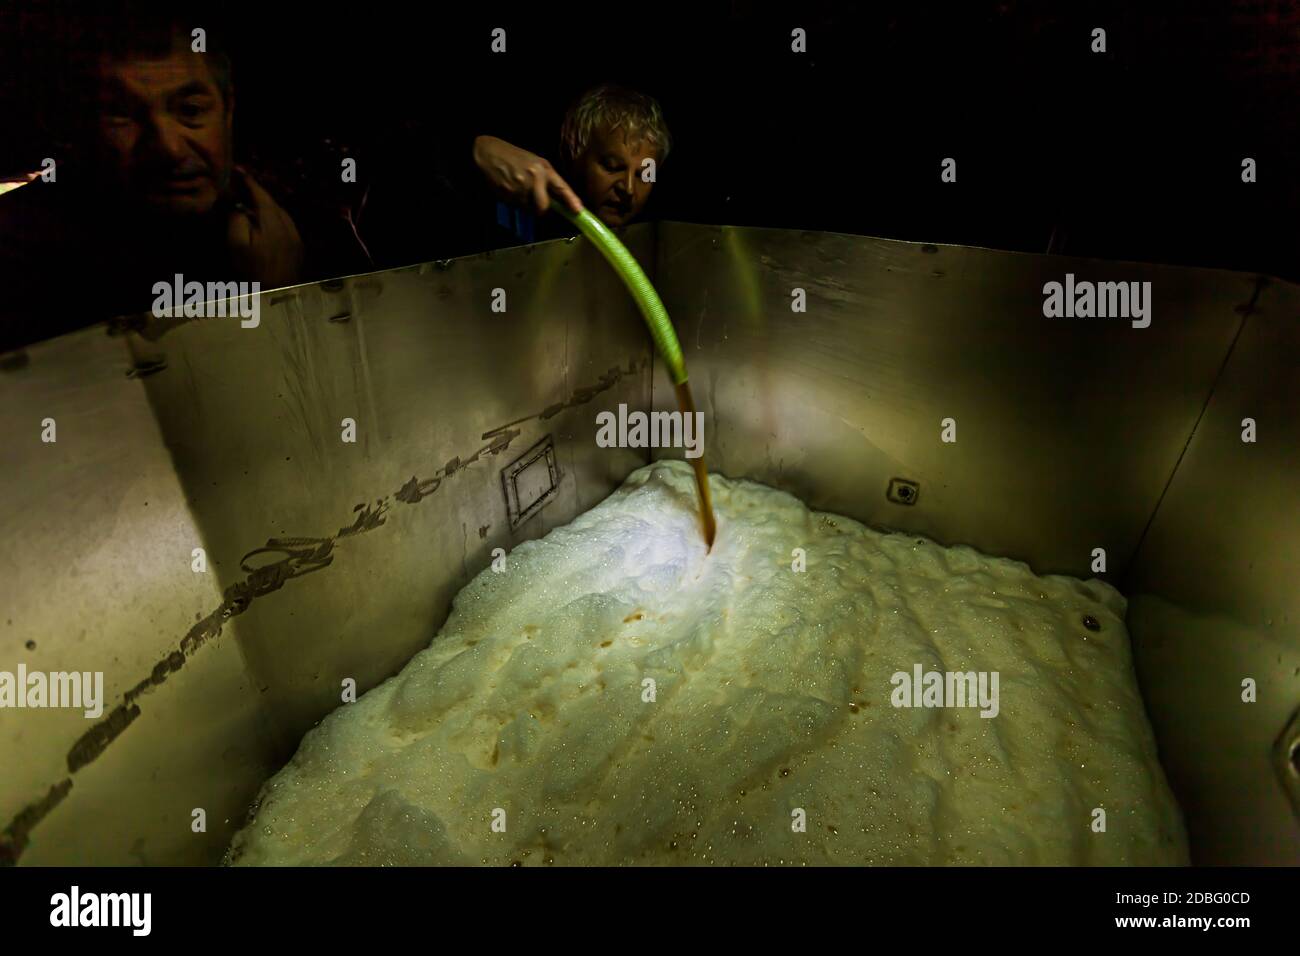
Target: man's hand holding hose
column 522, row 177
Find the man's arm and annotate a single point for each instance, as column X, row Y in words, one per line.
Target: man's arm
column 520, row 176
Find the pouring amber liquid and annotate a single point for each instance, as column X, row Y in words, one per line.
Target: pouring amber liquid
column 687, row 405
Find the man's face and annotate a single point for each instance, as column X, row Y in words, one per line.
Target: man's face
column 163, row 128
column 610, row 176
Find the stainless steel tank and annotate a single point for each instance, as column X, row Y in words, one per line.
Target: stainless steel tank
column 201, row 534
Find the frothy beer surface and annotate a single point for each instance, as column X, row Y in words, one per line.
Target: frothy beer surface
column 620, row 695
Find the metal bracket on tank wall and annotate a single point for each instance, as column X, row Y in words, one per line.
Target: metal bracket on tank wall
column 901, row 491
column 1286, row 760
column 530, row 482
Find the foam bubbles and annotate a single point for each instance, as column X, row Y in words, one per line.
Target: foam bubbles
column 771, row 693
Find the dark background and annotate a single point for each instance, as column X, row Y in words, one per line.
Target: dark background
column 1131, row 154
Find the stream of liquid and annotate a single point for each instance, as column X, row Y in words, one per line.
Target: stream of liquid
column 687, row 405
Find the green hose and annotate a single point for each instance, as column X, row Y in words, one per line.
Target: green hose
column 643, row 293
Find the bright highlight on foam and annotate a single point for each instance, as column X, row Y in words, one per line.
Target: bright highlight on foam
column 621, row 696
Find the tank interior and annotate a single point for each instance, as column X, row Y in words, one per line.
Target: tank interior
column 476, row 431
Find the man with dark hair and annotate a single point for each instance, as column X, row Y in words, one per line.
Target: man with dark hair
column 147, row 188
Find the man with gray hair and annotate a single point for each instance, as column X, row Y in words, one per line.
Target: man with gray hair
column 612, row 141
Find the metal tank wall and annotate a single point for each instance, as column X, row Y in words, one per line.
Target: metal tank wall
column 1068, row 433
column 475, row 430
column 326, row 560
column 1066, row 429
column 95, row 575
column 1215, row 602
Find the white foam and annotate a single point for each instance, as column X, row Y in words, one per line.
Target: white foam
column 772, row 695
